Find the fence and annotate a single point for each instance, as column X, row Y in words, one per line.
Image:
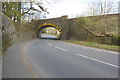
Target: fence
column 93, row 13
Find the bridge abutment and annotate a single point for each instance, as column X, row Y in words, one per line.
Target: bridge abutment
column 64, row 26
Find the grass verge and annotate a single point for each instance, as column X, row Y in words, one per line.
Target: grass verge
column 95, row 45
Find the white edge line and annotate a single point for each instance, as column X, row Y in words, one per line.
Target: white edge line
column 61, row 48
column 98, row 61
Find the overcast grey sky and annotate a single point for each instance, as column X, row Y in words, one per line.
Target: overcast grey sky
column 71, row 8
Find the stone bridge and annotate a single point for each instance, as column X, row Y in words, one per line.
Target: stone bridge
column 60, row 23
column 66, row 26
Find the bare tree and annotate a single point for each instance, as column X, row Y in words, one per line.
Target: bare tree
column 16, row 10
column 102, row 7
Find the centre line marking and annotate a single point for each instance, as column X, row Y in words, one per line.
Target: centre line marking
column 98, row 60
column 61, row 48
column 50, row 44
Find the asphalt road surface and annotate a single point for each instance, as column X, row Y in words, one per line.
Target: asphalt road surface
column 56, row 59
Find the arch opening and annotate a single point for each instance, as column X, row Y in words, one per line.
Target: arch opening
column 49, row 31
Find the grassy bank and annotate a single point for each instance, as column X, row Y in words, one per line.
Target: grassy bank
column 96, row 45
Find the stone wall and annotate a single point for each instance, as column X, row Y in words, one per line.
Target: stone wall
column 0, row 29
column 79, row 32
column 25, row 32
column 8, row 32
column 111, row 40
column 13, row 33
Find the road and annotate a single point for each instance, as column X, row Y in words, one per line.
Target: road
column 56, row 59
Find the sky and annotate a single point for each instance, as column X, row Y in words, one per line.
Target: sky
column 72, row 8
column 66, row 7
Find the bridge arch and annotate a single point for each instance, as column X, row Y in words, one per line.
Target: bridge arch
column 49, row 25
column 45, row 25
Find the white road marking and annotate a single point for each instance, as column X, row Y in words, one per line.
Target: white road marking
column 61, row 48
column 98, row 60
column 49, row 44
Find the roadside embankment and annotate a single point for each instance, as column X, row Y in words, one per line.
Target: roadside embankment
column 99, row 29
column 95, row 45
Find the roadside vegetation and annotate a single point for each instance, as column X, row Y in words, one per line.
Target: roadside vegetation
column 104, row 25
column 95, row 45
column 100, row 24
column 18, row 11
